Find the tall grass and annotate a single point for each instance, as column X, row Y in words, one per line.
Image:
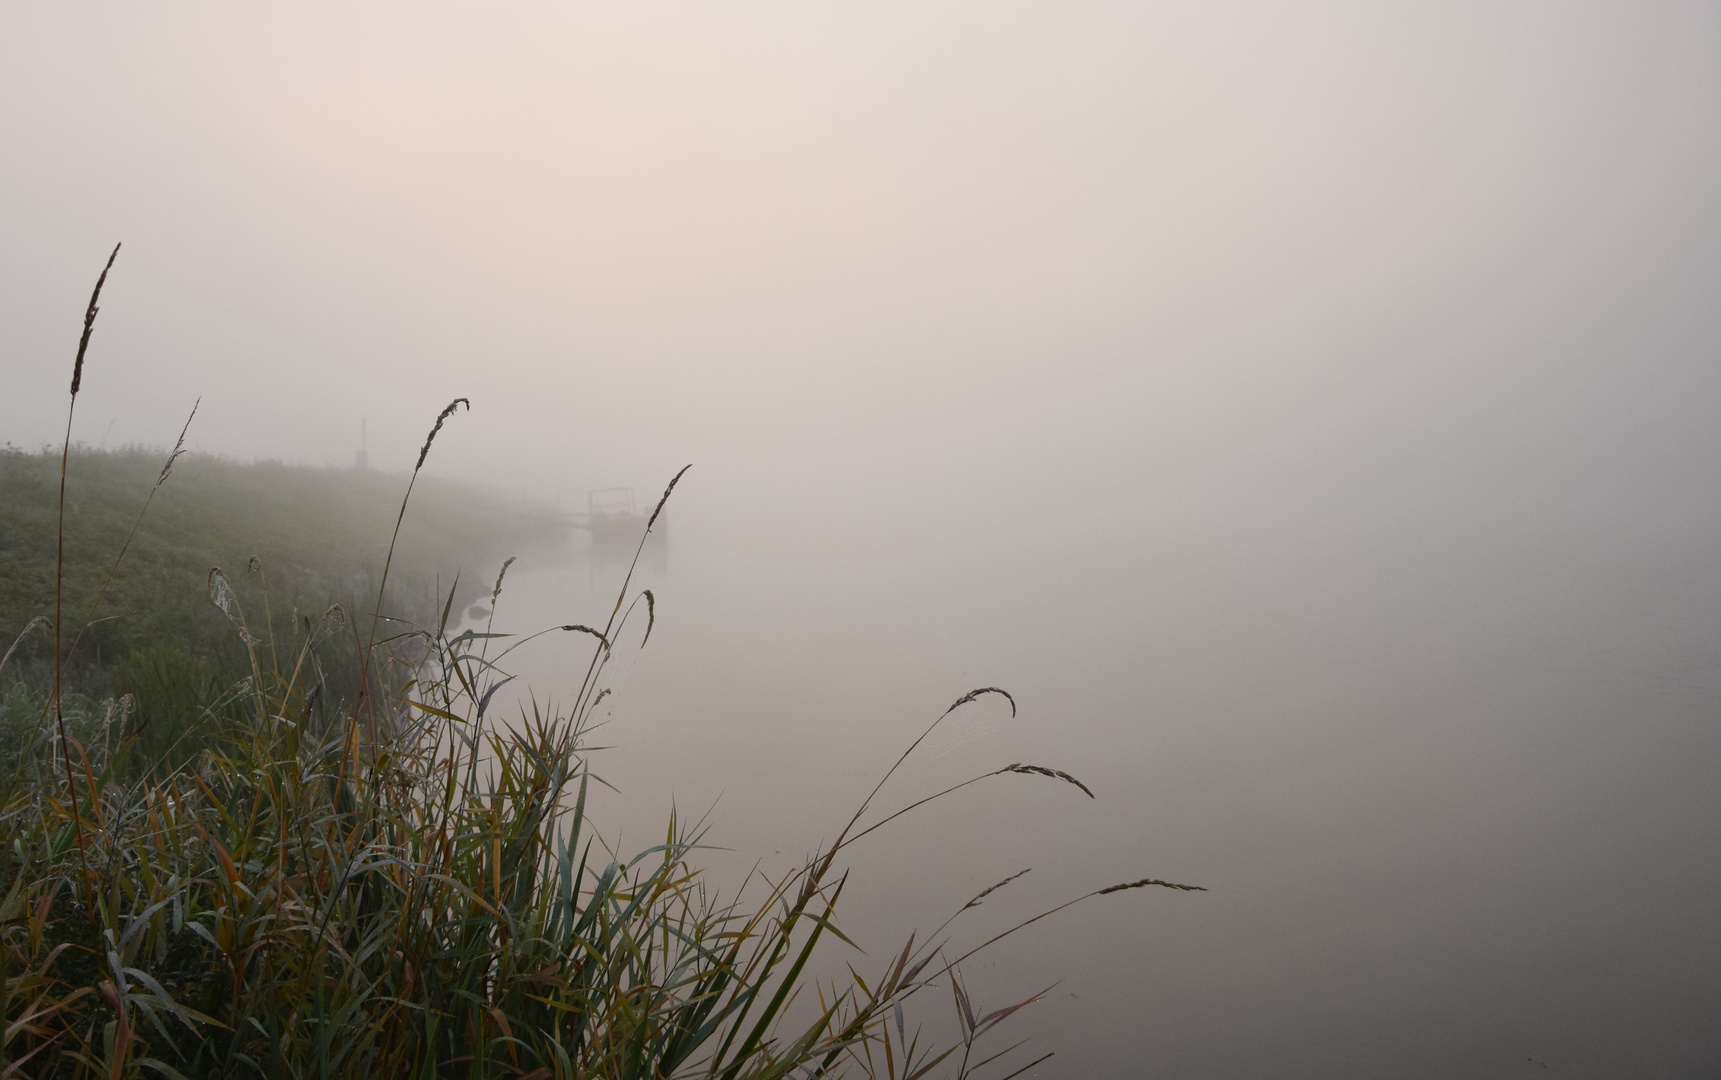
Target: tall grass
column 401, row 885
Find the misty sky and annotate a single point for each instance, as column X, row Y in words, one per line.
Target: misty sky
column 1021, row 247
column 1312, row 406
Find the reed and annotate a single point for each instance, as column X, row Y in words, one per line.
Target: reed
column 404, row 886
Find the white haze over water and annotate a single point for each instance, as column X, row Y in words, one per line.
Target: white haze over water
column 1307, row 411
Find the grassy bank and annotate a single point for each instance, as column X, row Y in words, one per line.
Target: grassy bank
column 294, row 540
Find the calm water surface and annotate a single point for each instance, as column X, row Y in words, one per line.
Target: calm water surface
column 1453, row 788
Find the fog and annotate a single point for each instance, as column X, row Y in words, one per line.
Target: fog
column 1305, row 411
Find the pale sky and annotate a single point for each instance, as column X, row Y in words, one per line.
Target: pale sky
column 1028, row 238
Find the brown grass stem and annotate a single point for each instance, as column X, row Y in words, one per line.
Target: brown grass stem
column 60, row 555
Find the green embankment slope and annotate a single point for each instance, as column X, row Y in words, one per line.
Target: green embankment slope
column 319, row 535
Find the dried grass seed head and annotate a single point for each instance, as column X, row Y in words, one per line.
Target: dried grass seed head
column 975, row 694
column 984, row 893
column 90, row 323
column 1041, row 770
column 659, row 508
column 579, row 628
column 440, row 418
column 178, row 447
column 1145, row 882
column 506, row 563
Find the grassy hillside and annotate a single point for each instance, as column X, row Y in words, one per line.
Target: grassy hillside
column 318, row 535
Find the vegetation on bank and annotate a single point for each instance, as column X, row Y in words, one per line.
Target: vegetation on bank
column 320, row 535
column 293, row 539
column 391, row 882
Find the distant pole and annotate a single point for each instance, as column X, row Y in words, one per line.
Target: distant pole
column 364, row 445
